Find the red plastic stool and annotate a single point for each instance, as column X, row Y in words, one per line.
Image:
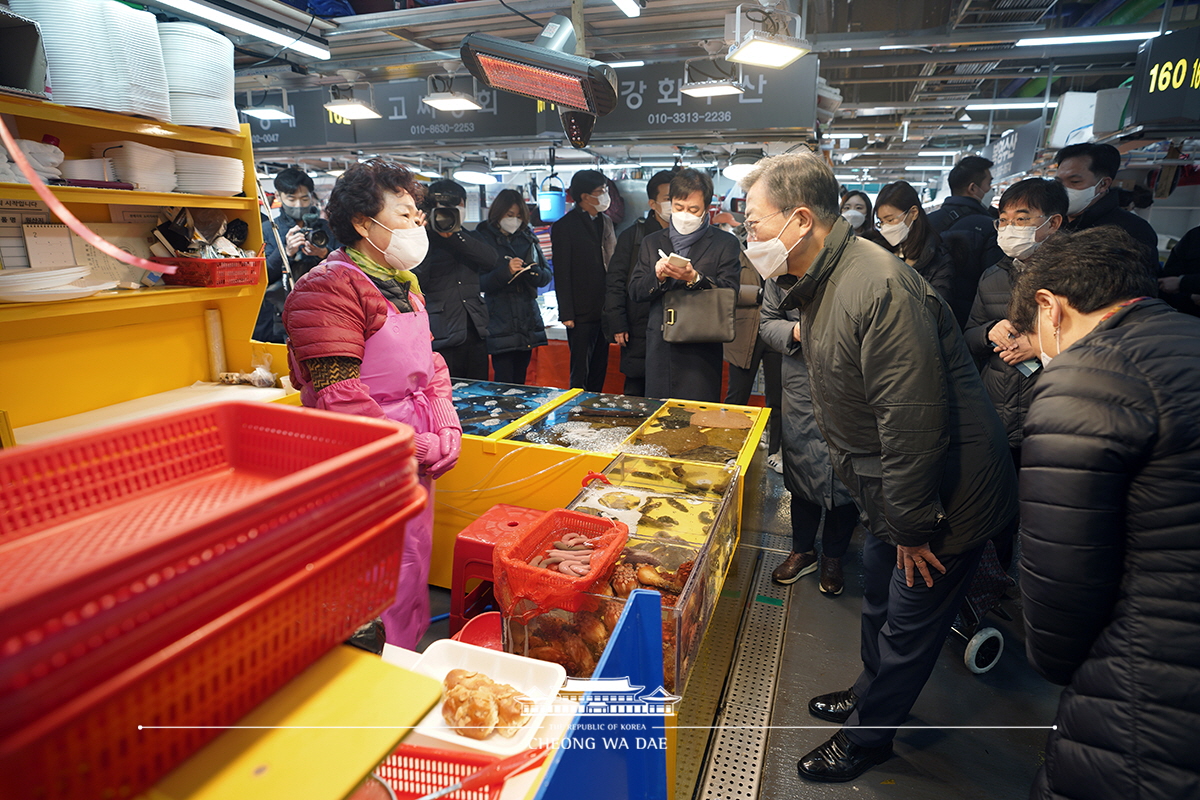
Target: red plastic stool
column 473, row 559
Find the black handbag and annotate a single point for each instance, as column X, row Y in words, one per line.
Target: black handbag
column 696, row 316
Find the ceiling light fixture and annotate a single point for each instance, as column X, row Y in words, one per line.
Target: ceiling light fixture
column 476, row 170
column 630, row 8
column 930, row 168
column 543, row 70
column 243, row 25
column 1011, row 106
column 348, row 107
column 764, row 36
column 1134, row 36
column 841, row 135
column 709, row 85
column 280, row 112
column 939, row 152
column 441, row 91
column 741, row 163
column 624, row 64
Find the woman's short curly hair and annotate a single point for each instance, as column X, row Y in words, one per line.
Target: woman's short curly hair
column 359, row 191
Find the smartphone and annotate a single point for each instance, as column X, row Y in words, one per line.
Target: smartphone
column 1029, row 367
column 676, row 260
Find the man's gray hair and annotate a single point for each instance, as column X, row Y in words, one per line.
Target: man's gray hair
column 798, row 179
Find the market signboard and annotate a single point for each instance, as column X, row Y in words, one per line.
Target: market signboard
column 650, row 102
column 1167, row 80
column 406, row 120
column 313, row 126
column 1016, row 152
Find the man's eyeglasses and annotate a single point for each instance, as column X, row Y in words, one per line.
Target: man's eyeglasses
column 1020, row 222
column 752, row 224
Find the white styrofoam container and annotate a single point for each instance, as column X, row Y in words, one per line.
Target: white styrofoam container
column 529, row 675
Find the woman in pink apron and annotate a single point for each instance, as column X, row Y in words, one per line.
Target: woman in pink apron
column 359, row 343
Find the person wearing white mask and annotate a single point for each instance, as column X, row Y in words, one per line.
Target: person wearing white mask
column 910, row 431
column 581, row 245
column 1030, row 212
column 856, row 209
column 1087, row 172
column 905, row 226
column 359, row 343
column 515, row 324
column 1110, row 563
column 684, row 371
column 624, row 319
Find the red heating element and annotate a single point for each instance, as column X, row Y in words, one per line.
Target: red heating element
column 540, row 84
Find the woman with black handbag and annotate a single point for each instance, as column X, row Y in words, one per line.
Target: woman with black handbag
column 688, row 370
column 515, row 324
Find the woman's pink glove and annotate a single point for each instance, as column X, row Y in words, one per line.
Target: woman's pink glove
column 429, row 451
column 450, row 442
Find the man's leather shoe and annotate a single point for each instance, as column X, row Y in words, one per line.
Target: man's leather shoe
column 795, row 567
column 832, row 582
column 835, row 706
column 840, row 760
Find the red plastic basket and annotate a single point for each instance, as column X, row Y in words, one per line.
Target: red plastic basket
column 91, row 745
column 212, row 271
column 413, row 772
column 114, row 544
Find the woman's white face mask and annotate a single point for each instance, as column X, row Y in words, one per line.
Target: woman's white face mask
column 406, row 248
column 855, row 217
column 510, row 225
column 897, row 232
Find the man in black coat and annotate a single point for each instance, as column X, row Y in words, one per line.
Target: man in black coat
column 306, row 243
column 1087, row 172
column 624, row 319
column 582, row 244
column 1110, row 515
column 1180, row 280
column 449, row 278
column 966, row 222
column 911, row 433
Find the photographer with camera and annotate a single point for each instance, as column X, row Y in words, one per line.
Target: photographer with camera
column 307, row 241
column 449, row 276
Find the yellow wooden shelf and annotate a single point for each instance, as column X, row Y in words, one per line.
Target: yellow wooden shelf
column 117, row 300
column 116, row 123
column 124, row 197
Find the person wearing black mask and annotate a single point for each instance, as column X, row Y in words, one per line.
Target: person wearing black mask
column 307, row 241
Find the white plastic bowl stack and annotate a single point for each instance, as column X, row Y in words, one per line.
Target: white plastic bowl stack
column 150, row 169
column 199, row 173
column 101, row 54
column 199, row 65
column 45, row 285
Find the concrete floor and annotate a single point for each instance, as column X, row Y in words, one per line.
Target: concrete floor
column 934, row 758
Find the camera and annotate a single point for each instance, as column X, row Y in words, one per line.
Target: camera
column 444, row 216
column 315, row 236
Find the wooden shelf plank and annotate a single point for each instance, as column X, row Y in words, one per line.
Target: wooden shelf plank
column 120, row 299
column 124, row 197
column 117, row 123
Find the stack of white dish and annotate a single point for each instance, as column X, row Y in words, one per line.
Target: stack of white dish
column 204, row 174
column 199, row 64
column 45, row 285
column 150, row 169
column 101, row 54
column 89, row 169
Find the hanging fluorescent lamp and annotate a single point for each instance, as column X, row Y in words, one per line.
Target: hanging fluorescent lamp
column 442, row 95
column 1011, row 106
column 709, row 86
column 280, row 112
column 1098, row 38
column 630, row 8
column 349, row 107
column 742, row 164
column 543, row 70
column 766, row 37
column 285, row 40
column 476, row 170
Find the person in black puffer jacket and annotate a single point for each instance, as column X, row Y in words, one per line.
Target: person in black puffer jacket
column 1110, row 509
column 903, row 223
column 515, row 323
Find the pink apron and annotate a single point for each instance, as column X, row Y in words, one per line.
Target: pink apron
column 397, row 368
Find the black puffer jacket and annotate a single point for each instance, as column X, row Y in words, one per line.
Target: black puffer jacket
column 935, row 265
column 449, row 278
column 1110, row 569
column 1010, row 389
column 910, row 430
column 514, row 320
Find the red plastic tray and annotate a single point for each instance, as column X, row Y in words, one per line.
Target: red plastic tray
column 91, row 745
column 414, row 772
column 212, row 271
column 116, row 543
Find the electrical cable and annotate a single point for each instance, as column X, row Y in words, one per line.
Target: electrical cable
column 311, row 19
column 520, row 14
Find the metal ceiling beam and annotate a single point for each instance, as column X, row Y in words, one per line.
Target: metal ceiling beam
column 991, row 76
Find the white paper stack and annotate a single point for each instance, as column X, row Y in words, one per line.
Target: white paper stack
column 41, row 286
column 101, row 54
column 204, row 174
column 199, row 64
column 151, row 169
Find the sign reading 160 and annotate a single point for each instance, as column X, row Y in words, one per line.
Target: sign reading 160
column 1170, row 75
